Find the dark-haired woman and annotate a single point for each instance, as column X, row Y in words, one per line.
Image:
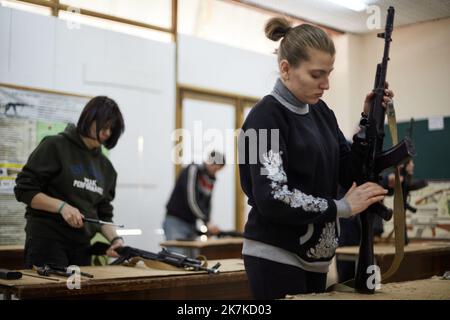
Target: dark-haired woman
column 292, row 232
column 66, row 179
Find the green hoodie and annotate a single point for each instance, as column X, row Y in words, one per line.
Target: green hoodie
column 64, row 168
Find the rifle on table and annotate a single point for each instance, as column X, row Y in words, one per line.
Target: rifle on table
column 376, row 160
column 48, row 269
column 165, row 256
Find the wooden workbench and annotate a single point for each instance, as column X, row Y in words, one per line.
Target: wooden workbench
column 434, row 288
column 421, row 260
column 121, row 282
column 221, row 248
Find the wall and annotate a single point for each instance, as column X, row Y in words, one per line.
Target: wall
column 338, row 97
column 418, row 71
column 39, row 51
column 215, row 66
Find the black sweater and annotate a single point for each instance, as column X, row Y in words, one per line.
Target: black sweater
column 191, row 197
column 64, row 168
column 292, row 190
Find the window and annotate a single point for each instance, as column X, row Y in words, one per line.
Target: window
column 148, row 19
column 115, row 26
column 154, row 12
column 27, row 7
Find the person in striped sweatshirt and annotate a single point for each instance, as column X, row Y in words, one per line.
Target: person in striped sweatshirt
column 190, row 201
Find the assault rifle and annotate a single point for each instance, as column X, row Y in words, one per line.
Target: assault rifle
column 48, row 269
column 101, row 222
column 14, row 105
column 408, row 183
column 376, row 160
column 172, row 258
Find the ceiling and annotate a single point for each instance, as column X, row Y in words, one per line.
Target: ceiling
column 334, row 16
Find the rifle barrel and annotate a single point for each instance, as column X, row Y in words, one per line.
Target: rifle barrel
column 102, row 222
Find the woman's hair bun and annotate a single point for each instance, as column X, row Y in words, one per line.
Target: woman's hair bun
column 276, row 28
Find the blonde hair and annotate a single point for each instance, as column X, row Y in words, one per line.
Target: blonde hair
column 297, row 40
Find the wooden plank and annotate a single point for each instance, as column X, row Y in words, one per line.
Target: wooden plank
column 434, row 288
column 421, row 260
column 124, row 272
column 120, row 282
column 389, row 249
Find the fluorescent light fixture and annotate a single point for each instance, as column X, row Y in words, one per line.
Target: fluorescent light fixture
column 355, row 5
column 129, row 232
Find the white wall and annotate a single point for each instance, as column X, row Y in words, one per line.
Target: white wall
column 338, row 96
column 419, row 69
column 40, row 51
column 418, row 72
column 215, row 66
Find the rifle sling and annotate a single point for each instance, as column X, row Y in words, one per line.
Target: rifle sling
column 399, row 209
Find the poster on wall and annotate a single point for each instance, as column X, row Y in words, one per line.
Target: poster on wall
column 431, row 220
column 27, row 115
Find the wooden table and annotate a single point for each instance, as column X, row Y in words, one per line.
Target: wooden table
column 421, row 260
column 433, row 288
column 12, row 257
column 222, row 248
column 121, row 282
